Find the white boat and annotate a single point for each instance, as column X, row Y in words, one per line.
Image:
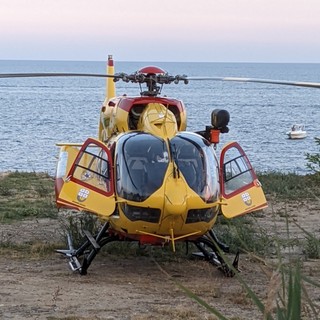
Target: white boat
column 297, row 132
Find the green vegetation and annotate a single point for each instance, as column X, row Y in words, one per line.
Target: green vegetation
column 287, row 298
column 31, row 250
column 26, row 195
column 314, row 159
column 244, row 234
column 31, row 196
column 73, row 223
column 290, row 186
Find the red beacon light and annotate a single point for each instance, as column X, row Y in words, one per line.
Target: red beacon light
column 151, row 70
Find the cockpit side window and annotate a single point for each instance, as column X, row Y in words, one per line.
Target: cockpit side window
column 196, row 160
column 188, row 157
column 142, row 160
column 236, row 170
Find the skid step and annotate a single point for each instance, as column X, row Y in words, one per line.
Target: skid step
column 91, row 239
column 74, row 264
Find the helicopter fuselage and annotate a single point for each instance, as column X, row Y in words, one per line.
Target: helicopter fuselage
column 149, row 179
column 160, row 182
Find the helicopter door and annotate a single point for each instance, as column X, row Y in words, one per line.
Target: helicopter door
column 241, row 190
column 89, row 183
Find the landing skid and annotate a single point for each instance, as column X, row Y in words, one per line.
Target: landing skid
column 80, row 259
column 210, row 248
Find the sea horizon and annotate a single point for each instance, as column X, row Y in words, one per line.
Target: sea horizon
column 39, row 112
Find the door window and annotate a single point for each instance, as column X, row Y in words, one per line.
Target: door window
column 92, row 167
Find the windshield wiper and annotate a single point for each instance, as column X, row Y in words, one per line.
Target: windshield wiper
column 173, row 153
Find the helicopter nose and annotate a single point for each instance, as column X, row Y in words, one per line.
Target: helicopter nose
column 175, row 196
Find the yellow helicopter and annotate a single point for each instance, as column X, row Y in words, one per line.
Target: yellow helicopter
column 147, row 178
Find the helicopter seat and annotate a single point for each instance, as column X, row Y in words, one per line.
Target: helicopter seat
column 155, row 174
column 187, row 165
column 137, row 163
column 138, row 172
column 189, row 172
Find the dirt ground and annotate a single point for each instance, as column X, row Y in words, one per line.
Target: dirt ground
column 138, row 287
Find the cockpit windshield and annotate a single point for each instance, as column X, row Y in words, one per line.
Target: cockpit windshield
column 143, row 159
column 141, row 163
column 196, row 160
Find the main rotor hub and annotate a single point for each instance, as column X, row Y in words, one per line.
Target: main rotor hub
column 152, row 76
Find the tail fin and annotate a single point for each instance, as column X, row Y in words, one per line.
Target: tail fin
column 110, row 84
column 110, row 93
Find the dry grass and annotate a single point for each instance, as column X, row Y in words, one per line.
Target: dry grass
column 26, row 195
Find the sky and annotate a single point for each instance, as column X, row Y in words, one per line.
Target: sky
column 165, row 30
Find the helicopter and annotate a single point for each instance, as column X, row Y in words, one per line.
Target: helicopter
column 147, row 178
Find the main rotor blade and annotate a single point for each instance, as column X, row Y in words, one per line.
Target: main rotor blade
column 125, row 77
column 36, row 75
column 256, row 80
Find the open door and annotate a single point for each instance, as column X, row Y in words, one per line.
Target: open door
column 89, row 183
column 241, row 190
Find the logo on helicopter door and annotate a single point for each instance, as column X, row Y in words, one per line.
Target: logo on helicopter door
column 246, row 198
column 82, row 195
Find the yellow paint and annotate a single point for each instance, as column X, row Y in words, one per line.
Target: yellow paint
column 106, row 110
column 158, row 120
column 86, row 199
column 244, row 202
column 110, row 84
column 68, row 144
column 172, row 240
column 174, row 198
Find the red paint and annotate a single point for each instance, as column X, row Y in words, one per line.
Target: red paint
column 214, row 135
column 110, row 61
column 126, row 103
column 151, row 69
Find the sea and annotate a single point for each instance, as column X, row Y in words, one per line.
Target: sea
column 37, row 113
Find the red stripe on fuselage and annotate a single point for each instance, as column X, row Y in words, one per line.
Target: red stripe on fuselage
column 126, row 103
